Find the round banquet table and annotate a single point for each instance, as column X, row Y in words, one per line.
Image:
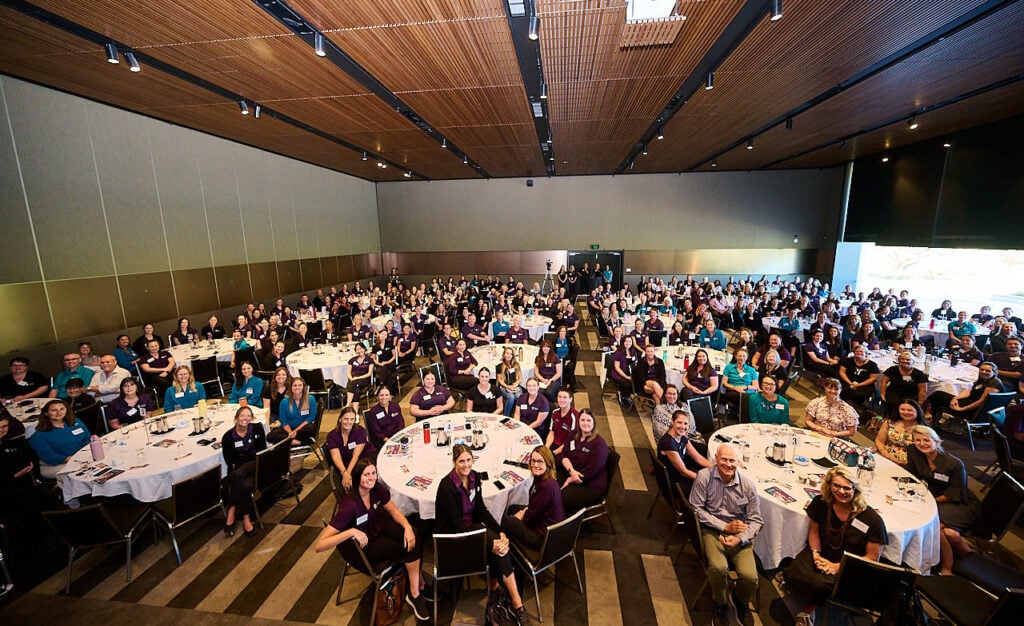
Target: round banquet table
column 412, row 479
column 676, row 361
column 629, row 322
column 772, row 321
column 912, row 525
column 331, row 360
column 185, row 354
column 27, row 412
column 379, row 321
column 941, row 376
column 152, row 463
column 941, row 330
column 490, row 355
column 537, row 325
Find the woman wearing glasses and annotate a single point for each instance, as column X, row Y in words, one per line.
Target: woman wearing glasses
column 528, row 524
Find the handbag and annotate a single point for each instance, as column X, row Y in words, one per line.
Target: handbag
column 904, row 609
column 389, row 600
column 498, row 611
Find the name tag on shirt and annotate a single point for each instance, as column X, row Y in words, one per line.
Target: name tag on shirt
column 351, row 445
column 362, row 519
column 907, row 379
column 239, row 444
column 132, row 412
column 306, row 412
column 77, row 431
column 942, row 478
column 1014, row 359
column 512, row 370
column 24, row 383
column 859, row 525
column 179, row 394
column 248, row 391
column 459, row 359
column 780, row 407
column 150, row 359
column 572, row 445
column 426, row 396
column 489, row 395
column 523, row 407
column 472, row 495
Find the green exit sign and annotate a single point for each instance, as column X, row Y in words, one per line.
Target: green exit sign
column 595, row 246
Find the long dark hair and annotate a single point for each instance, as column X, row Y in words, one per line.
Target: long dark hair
column 357, row 475
column 44, row 424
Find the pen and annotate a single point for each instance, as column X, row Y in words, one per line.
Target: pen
column 178, row 458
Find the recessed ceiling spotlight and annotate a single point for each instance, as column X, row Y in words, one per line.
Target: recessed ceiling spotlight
column 112, row 54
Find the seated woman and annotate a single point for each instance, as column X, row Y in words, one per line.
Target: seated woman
column 384, row 360
column 58, row 436
column 946, row 478
column 766, row 406
column 296, row 412
column 509, row 376
column 348, row 443
column 771, row 365
column 247, row 386
column 460, row 367
column 738, row 378
column 240, row 446
column 368, row 516
column 129, row 406
column 184, row 334
column 649, row 374
column 384, row 419
column 547, row 369
column 830, row 416
column 661, row 417
column 907, row 339
column 678, row 454
column 89, row 358
column 157, row 365
column 744, row 338
column 859, row 374
column 459, row 507
column 894, row 438
column 678, row 335
column 965, row 404
column 407, row 344
column 360, row 373
column 582, row 470
column 841, row 521
column 485, row 397
column 532, row 408
column 817, row 358
column 623, row 361
column 185, row 393
column 700, row 379
column 710, row 337
column 277, row 390
column 866, row 335
column 431, row 399
column 527, row 525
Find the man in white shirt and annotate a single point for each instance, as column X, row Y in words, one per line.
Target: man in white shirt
column 106, row 385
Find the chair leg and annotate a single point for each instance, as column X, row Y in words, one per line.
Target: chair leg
column 255, row 510
column 71, row 561
column 696, row 596
column 341, row 584
column 128, row 563
column 536, row 596
column 174, row 541
column 576, row 564
column 970, row 436
column 653, row 504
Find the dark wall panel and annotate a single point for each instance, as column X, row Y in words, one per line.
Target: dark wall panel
column 312, row 276
column 289, row 276
column 147, row 297
column 233, row 284
column 26, row 315
column 264, row 280
column 84, row 306
column 196, row 290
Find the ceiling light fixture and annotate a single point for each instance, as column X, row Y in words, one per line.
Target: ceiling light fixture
column 644, row 152
column 133, row 63
column 750, row 144
column 789, row 123
column 382, row 165
column 631, row 164
column 796, row 239
column 776, row 10
column 714, row 162
column 243, row 107
column 112, row 54
column 709, row 83
column 408, row 174
column 912, row 123
column 543, row 91
column 465, row 159
column 318, row 45
column 661, row 134
column 885, row 158
column 947, row 145
column 364, row 155
column 256, row 110
column 534, row 28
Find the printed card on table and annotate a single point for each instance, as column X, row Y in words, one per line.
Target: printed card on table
column 419, row 482
column 812, row 492
column 511, row 477
column 780, row 495
column 165, row 443
column 99, row 480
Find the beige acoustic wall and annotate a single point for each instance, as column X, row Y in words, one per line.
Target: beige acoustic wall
column 109, row 219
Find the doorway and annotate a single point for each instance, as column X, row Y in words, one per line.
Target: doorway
column 612, row 258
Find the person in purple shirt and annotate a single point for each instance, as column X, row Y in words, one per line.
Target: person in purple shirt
column 639, row 334
column 582, row 469
column 473, row 333
column 653, row 321
column 431, row 400
column 532, row 408
column 527, row 525
column 817, row 358
column 460, row 367
column 517, row 334
column 360, row 372
column 347, row 444
column 384, row 419
column 368, row 515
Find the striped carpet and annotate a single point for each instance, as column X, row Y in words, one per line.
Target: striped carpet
column 276, row 577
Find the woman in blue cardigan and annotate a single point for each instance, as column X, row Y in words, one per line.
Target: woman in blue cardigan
column 297, row 414
column 247, row 386
column 58, row 436
column 184, row 393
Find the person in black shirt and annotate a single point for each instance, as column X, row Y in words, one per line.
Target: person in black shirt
column 22, row 383
column 240, row 445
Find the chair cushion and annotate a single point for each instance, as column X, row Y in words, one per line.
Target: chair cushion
column 127, row 515
column 988, row 573
column 958, row 598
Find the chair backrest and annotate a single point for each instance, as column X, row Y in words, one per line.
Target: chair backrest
column 1002, row 505
column 869, row 585
column 1002, row 448
column 1008, row 609
column 658, row 337
column 246, row 354
column 703, row 415
column 611, row 467
column 92, row 419
column 691, row 526
column 663, row 481
column 266, row 375
column 438, row 372
column 994, row 401
column 429, row 330
column 560, row 539
column 272, row 465
column 460, row 554
column 794, row 373
column 998, row 416
column 332, row 475
column 609, row 358
column 196, row 495
column 85, row 526
column 314, row 380
column 205, row 370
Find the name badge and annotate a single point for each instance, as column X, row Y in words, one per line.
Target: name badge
column 488, row 395
column 362, row 519
column 239, row 444
column 523, row 407
column 780, row 407
column 150, row 359
column 472, row 495
column 942, row 478
column 248, row 391
column 77, row 431
column 572, row 445
column 459, row 359
column 306, row 412
column 351, row 445
column 1014, row 359
column 859, row 525
column 426, row 396
column 512, row 370
column 24, row 383
column 132, row 412
column 907, row 379
column 179, row 394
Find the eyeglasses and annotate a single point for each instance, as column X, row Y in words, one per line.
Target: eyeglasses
column 537, row 462
column 846, row 488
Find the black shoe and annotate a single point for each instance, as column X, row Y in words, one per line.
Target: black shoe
column 419, row 607
column 229, row 529
column 742, row 611
column 720, row 616
column 522, row 615
column 427, row 593
column 253, row 532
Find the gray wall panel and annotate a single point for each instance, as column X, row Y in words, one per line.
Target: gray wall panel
column 18, row 263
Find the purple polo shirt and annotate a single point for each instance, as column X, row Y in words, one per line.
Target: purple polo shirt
column 517, row 336
column 426, row 401
column 384, row 422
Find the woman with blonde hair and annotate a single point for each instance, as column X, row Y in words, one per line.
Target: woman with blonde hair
column 184, row 393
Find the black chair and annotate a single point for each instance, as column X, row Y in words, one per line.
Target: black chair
column 382, row 576
column 148, row 387
column 559, row 544
column 318, row 386
column 962, row 602
column 333, row 478
column 207, row 374
column 272, row 469
column 981, row 418
column 458, row 556
column 594, row 511
column 703, row 412
column 267, row 376
column 426, row 341
column 794, row 373
column 641, row 400
column 93, row 419
column 991, row 575
column 97, row 525
column 610, row 388
column 667, row 494
column 245, row 354
column 999, row 512
column 7, row 585
column 864, row 587
column 305, row 446
column 657, row 338
column 438, row 370
column 1004, row 459
column 190, row 499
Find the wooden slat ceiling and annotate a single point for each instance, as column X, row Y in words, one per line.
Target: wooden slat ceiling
column 454, row 63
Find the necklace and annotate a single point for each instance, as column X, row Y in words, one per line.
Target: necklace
column 834, row 536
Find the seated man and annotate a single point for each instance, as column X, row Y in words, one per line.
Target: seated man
column 1010, row 363
column 653, row 322
column 22, row 383
column 77, row 398
column 729, row 512
column 73, row 368
column 473, row 333
column 212, row 330
column 106, row 385
column 517, row 334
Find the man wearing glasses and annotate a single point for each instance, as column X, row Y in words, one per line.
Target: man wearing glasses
column 73, row 368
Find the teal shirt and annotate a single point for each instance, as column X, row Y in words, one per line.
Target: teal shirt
column 764, row 412
column 959, row 329
column 292, row 416
column 54, row 446
column 186, row 400
column 715, row 342
column 251, row 390
column 60, row 381
column 733, row 376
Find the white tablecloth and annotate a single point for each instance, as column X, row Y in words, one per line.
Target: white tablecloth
column 27, row 411
column 185, row 354
column 332, row 361
column 379, row 321
column 675, row 364
column 941, row 377
column 772, row 321
column 490, row 356
column 537, row 325
column 913, row 526
column 941, row 330
column 149, row 477
column 431, row 462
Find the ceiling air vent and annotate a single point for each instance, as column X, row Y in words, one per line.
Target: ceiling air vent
column 651, row 23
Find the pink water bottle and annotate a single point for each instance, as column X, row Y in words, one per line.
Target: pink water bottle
column 686, row 362
column 931, row 324
column 96, row 447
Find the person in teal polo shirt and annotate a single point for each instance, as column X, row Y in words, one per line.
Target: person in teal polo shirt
column 962, row 326
column 185, row 393
column 767, row 406
column 247, row 386
column 73, row 368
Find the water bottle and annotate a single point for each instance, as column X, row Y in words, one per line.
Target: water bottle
column 96, row 447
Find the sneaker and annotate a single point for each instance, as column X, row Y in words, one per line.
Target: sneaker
column 721, row 615
column 427, row 593
column 419, row 607
column 522, row 616
column 742, row 611
column 804, row 618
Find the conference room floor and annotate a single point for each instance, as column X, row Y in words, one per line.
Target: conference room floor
column 276, row 578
